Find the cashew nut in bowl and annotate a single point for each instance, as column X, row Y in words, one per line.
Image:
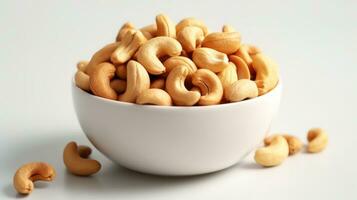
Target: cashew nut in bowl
column 245, row 52
column 100, row 56
column 175, row 86
column 165, row 27
column 154, row 96
column 121, row 71
column 123, row 30
column 228, row 75
column 31, row 172
column 267, row 75
column 149, row 31
column 99, row 81
column 138, row 80
column 82, row 80
column 158, row 83
column 243, row 71
column 295, row 144
column 274, row 153
column 129, row 44
column 240, row 90
column 210, row 59
column 210, row 87
column 318, row 140
column 150, row 52
column 118, row 85
column 77, row 162
column 228, row 28
column 226, row 42
column 82, row 65
column 175, row 61
column 190, row 38
column 190, row 21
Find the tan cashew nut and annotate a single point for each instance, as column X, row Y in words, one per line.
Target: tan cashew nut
column 121, row 71
column 245, row 52
column 82, row 80
column 130, row 43
column 210, row 59
column 149, row 31
column 103, row 55
column 154, row 96
column 228, row 28
column 175, row 61
column 138, row 80
column 158, row 83
column 190, row 38
column 295, row 144
column 273, row 154
column 175, row 86
column 82, row 65
column 190, row 21
column 30, row 172
column 99, row 81
column 165, row 27
column 118, row 85
column 240, row 90
column 150, row 52
column 242, row 68
column 228, row 75
column 318, row 140
column 78, row 165
column 267, row 75
column 210, row 87
column 226, row 42
column 123, row 30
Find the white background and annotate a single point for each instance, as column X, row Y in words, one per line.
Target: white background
column 314, row 42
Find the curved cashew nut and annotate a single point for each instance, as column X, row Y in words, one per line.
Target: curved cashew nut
column 273, row 154
column 118, row 85
column 154, row 96
column 129, row 44
column 190, row 38
column 295, row 144
column 228, row 75
column 157, row 47
column 82, row 65
column 210, row 59
column 77, row 162
column 138, row 80
column 121, row 71
column 82, row 80
column 100, row 56
column 165, row 27
column 240, row 90
column 190, row 21
column 245, row 52
column 149, row 31
column 175, row 86
column 266, row 70
column 123, row 30
column 158, row 83
column 210, row 87
column 226, row 42
column 175, row 61
column 30, row 172
column 242, row 68
column 228, row 28
column 99, row 81
column 318, row 140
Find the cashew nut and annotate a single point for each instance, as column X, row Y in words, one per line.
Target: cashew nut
column 245, row 52
column 266, row 70
column 138, row 80
column 165, row 27
column 99, row 81
column 318, row 140
column 82, row 80
column 118, row 85
column 190, row 21
column 190, row 38
column 82, row 65
column 226, row 42
column 31, row 172
column 158, row 83
column 175, row 61
column 210, row 59
column 228, row 28
column 242, row 68
column 228, row 75
column 154, row 96
column 274, row 153
column 175, row 86
column 77, row 162
column 295, row 144
column 129, row 44
column 100, row 56
column 121, row 71
column 240, row 90
column 210, row 86
column 123, row 30
column 150, row 52
column 149, row 31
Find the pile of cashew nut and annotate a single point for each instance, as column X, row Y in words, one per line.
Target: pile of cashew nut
column 183, row 65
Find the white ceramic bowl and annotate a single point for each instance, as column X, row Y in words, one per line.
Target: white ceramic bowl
column 175, row 141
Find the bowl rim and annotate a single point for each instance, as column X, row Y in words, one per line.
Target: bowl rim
column 276, row 89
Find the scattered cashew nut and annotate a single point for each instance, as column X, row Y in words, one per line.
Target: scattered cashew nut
column 210, row 87
column 165, row 27
column 274, row 153
column 240, row 90
column 190, row 38
column 226, row 42
column 318, row 140
column 154, row 96
column 99, row 81
column 210, row 59
column 295, row 144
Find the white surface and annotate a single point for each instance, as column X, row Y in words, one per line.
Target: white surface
column 175, row 140
column 313, row 41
